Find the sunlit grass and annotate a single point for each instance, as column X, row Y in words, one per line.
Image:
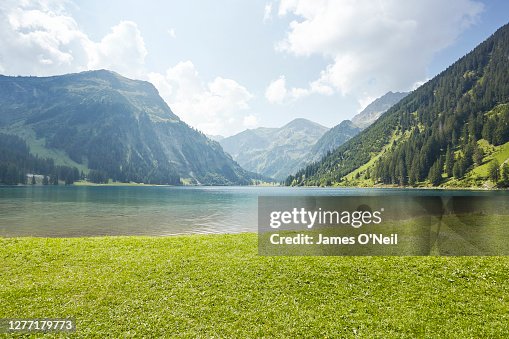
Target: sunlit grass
column 217, row 286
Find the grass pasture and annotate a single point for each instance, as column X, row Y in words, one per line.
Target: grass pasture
column 217, row 286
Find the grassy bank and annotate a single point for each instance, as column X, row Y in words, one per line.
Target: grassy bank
column 218, row 286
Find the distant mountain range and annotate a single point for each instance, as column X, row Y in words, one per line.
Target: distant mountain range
column 279, row 152
column 119, row 127
column 274, row 152
column 452, row 131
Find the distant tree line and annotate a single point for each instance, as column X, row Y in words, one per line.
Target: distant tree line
column 108, row 158
column 16, row 162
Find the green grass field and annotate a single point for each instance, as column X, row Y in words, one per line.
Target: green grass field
column 217, row 286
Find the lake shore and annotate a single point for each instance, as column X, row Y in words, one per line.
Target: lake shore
column 217, row 285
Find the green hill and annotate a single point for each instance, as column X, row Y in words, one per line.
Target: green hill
column 441, row 134
column 347, row 129
column 117, row 127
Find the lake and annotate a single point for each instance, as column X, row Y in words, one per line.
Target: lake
column 70, row 211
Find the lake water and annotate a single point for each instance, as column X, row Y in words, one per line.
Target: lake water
column 68, row 211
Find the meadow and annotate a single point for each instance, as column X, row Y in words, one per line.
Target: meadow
column 218, row 286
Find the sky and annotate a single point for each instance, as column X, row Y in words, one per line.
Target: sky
column 227, row 65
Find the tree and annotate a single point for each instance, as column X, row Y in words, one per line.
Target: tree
column 45, row 180
column 435, row 173
column 488, row 130
column 97, row 177
column 505, row 174
column 33, row 180
column 500, row 133
column 413, row 177
column 69, row 179
column 449, row 162
column 54, row 179
column 494, row 170
column 458, row 168
column 478, row 155
column 468, row 155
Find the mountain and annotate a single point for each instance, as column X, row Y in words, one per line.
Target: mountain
column 120, row 128
column 347, row 129
column 278, row 152
column 451, row 131
column 375, row 109
column 332, row 139
column 215, row 137
column 274, row 152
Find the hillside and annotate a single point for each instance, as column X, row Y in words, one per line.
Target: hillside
column 120, row 128
column 437, row 135
column 274, row 152
column 332, row 139
column 347, row 129
column 375, row 109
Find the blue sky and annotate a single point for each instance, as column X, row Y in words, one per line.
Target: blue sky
column 227, row 65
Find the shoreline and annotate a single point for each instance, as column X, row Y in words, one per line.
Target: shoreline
column 90, row 184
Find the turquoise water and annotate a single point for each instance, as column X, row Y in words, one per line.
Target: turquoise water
column 70, row 211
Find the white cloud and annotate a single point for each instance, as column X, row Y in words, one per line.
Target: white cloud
column 122, row 50
column 374, row 47
column 40, row 38
column 267, row 12
column 171, row 33
column 211, row 107
column 250, row 121
column 277, row 91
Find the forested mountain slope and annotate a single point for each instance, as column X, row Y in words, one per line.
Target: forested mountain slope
column 441, row 133
column 121, row 128
column 347, row 129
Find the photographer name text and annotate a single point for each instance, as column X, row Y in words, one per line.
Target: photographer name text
column 321, row 239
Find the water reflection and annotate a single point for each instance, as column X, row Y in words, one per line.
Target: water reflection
column 108, row 210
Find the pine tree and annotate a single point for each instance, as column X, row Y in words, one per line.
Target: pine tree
column 54, row 179
column 454, row 138
column 68, row 179
column 435, row 173
column 468, row 155
column 458, row 168
column 478, row 155
column 413, row 177
column 494, row 170
column 488, row 129
column 33, row 180
column 449, row 162
column 505, row 174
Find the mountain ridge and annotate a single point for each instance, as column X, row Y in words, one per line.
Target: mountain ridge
column 347, row 129
column 274, row 152
column 440, row 134
column 109, row 123
column 376, row 108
